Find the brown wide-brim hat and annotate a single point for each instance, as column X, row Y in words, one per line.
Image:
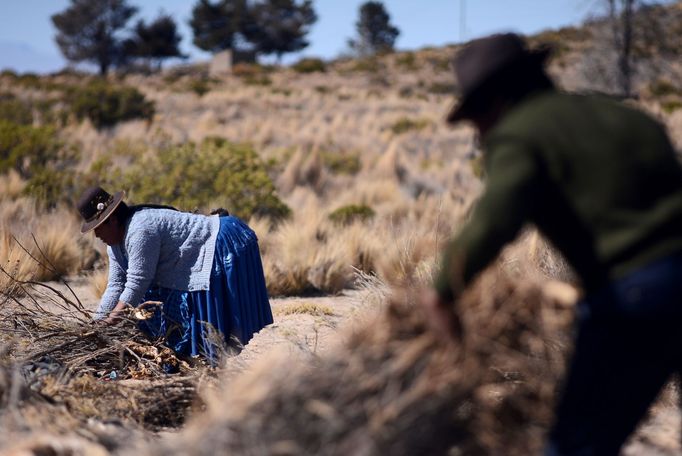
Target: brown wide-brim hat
column 482, row 59
column 96, row 205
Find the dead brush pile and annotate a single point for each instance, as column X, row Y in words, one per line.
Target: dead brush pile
column 394, row 388
column 60, row 374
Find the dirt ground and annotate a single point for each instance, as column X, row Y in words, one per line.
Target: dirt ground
column 308, row 326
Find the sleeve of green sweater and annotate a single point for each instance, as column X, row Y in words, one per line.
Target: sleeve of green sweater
column 510, row 196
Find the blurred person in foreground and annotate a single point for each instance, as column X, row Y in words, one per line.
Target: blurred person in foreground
column 206, row 270
column 601, row 181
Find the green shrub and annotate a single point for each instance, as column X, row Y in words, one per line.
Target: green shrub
column 441, row 88
column 105, row 105
column 9, row 74
column 262, row 80
column 25, row 148
column 15, row 110
column 191, row 176
column 246, row 70
column 441, row 64
column 407, row 61
column 310, row 65
column 663, row 88
column 29, row 81
column 346, row 215
column 200, row 87
column 339, row 163
column 405, row 124
column 46, row 163
column 281, row 91
column 369, row 65
column 671, row 106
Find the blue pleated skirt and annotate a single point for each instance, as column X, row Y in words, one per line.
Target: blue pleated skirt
column 235, row 306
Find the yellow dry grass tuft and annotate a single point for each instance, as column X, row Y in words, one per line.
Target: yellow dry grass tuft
column 36, row 245
column 308, row 308
column 11, row 185
column 97, row 281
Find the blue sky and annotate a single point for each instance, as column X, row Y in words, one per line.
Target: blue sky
column 27, row 34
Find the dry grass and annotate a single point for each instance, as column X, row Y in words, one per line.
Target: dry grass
column 97, row 281
column 37, row 245
column 11, row 186
column 393, row 388
column 308, row 308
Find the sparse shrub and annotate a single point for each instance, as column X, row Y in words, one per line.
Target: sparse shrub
column 406, row 92
column 339, row 163
column 9, row 74
column 105, row 105
column 441, row 63
column 245, row 70
column 213, row 173
column 671, row 106
column 15, row 110
column 262, row 80
column 346, row 215
column 407, row 61
column 199, row 86
column 405, row 124
column 663, row 88
column 29, row 81
column 322, row 89
column 35, row 154
column 561, row 40
column 281, row 91
column 369, row 65
column 310, row 65
column 25, row 148
column 441, row 88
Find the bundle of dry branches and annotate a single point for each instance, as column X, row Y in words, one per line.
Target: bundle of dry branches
column 60, row 371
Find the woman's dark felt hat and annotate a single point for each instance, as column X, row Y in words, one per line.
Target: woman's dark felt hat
column 96, row 205
column 484, row 58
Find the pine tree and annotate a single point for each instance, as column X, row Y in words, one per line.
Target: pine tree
column 87, row 31
column 280, row 26
column 376, row 34
column 158, row 40
column 218, row 26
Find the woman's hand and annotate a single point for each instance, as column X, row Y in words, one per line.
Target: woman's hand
column 116, row 314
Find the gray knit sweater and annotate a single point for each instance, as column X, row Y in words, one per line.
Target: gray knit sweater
column 162, row 247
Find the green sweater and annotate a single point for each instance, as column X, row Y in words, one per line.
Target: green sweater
column 599, row 179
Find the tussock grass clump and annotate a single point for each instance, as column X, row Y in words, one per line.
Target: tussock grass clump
column 11, row 185
column 37, row 244
column 394, row 388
